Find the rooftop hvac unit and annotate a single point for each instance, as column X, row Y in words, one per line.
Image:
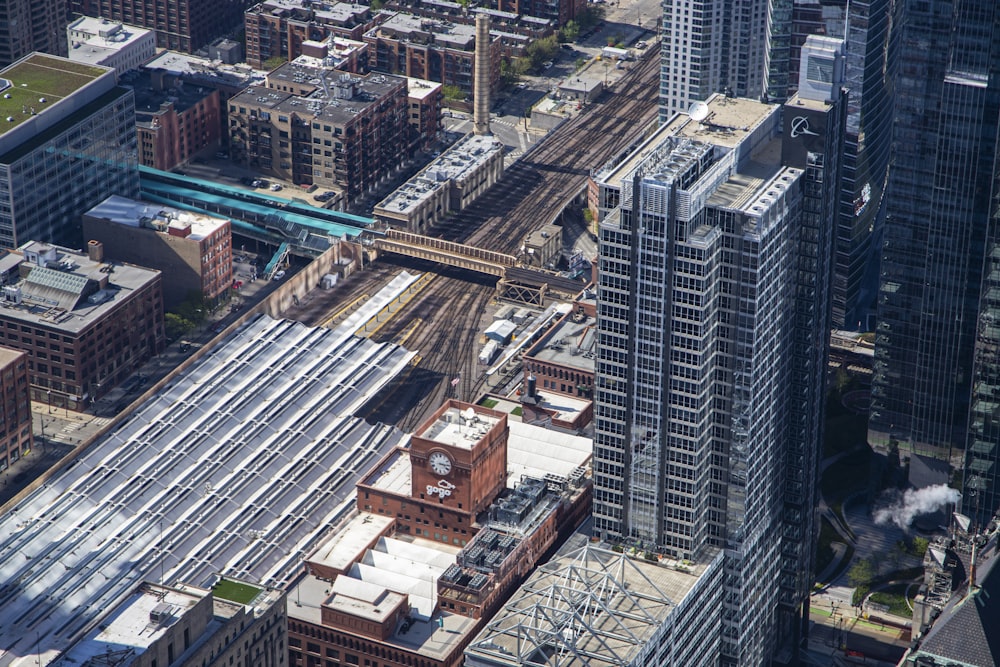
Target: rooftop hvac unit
column 161, row 613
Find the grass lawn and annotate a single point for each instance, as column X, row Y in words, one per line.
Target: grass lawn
column 488, row 403
column 235, row 591
column 37, row 78
column 895, row 598
column 848, row 475
column 517, row 412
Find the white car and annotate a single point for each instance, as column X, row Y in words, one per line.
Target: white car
column 279, row 275
column 275, row 187
column 547, row 64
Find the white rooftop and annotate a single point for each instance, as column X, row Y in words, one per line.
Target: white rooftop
column 347, row 544
column 459, row 428
column 238, row 467
column 532, row 451
column 418, row 89
column 131, row 628
column 133, row 213
column 91, row 40
column 454, row 165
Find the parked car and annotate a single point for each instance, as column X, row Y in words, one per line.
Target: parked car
column 279, row 275
column 222, row 155
column 275, row 187
column 547, row 64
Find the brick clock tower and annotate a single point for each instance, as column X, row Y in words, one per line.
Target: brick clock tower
column 459, row 457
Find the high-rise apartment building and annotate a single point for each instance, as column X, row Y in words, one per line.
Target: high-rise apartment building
column 713, row 309
column 67, row 142
column 180, row 25
column 935, row 341
column 32, row 25
column 755, row 51
column 711, row 46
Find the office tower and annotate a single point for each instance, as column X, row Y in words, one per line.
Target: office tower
column 711, row 46
column 32, row 25
column 866, row 26
column 67, row 142
column 180, row 25
column 713, row 300
column 933, row 294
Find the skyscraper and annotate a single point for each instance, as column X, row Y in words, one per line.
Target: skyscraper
column 713, row 297
column 941, row 208
column 754, row 50
column 32, row 25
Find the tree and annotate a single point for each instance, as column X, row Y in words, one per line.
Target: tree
column 451, row 92
column 541, row 50
column 176, row 326
column 569, row 32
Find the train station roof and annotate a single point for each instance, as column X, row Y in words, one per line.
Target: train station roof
column 238, row 467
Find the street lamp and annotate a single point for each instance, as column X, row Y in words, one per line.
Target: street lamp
column 48, row 398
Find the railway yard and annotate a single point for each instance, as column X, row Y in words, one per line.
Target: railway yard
column 444, row 321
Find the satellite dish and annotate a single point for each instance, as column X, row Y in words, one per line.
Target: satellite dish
column 698, row 111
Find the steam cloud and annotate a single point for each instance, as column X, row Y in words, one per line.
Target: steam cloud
column 903, row 508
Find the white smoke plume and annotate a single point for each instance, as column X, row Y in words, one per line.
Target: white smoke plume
column 902, row 508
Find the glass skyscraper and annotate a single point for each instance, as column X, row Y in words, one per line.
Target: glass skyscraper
column 934, row 391
column 713, row 311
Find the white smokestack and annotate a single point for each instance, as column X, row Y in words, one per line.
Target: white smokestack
column 903, row 508
column 481, row 77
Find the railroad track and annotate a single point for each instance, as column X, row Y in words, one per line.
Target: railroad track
column 535, row 188
column 531, row 193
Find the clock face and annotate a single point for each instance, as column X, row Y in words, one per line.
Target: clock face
column 439, row 463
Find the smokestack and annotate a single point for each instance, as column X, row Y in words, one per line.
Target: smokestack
column 481, row 81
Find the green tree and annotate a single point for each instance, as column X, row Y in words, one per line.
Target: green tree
column 569, row 32
column 176, row 326
column 589, row 16
column 451, row 92
column 541, row 50
column 919, row 546
column 375, row 5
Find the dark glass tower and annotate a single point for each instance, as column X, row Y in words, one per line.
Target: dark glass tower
column 941, row 207
column 866, row 26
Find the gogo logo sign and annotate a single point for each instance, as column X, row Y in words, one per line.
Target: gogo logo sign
column 442, row 489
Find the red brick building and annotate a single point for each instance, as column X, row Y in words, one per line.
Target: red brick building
column 446, row 531
column 180, row 25
column 313, row 125
column 15, row 407
column 278, row 28
column 86, row 324
column 174, row 122
column 194, row 251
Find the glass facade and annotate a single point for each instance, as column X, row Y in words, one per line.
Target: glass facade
column 939, row 206
column 47, row 184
